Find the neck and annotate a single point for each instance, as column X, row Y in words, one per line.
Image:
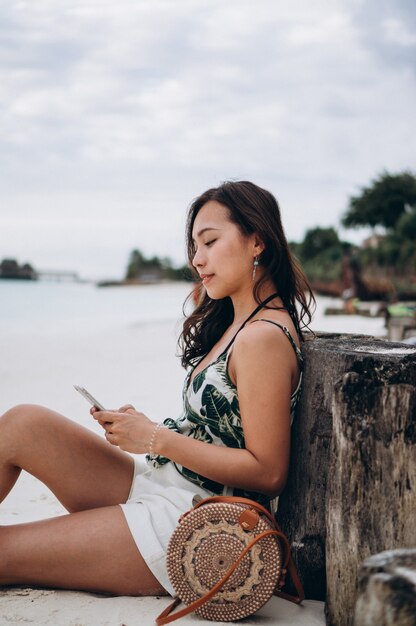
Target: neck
column 244, row 303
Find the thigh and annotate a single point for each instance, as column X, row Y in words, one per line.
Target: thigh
column 80, row 467
column 90, row 551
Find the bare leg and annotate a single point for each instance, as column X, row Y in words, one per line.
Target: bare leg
column 90, row 550
column 81, row 468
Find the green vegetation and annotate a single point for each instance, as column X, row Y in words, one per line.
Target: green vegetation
column 384, row 203
column 144, row 270
column 321, row 253
column 390, row 205
column 387, row 260
column 384, row 264
column 11, row 269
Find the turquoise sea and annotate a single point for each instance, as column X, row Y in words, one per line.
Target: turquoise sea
column 54, row 307
column 47, row 306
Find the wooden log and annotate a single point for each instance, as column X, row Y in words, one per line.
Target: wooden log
column 303, row 504
column 301, row 511
column 371, row 499
column 387, row 590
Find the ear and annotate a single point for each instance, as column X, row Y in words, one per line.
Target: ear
column 258, row 245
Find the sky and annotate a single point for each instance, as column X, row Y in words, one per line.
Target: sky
column 114, row 115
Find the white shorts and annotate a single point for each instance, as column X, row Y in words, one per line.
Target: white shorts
column 158, row 497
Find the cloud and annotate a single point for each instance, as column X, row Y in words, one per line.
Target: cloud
column 137, row 107
column 398, row 32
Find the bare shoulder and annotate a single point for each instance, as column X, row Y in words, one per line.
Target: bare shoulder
column 266, row 342
column 265, row 331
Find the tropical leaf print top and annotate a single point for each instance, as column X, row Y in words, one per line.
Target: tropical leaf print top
column 212, row 414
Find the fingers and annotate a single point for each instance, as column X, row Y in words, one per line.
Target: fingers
column 105, row 419
column 105, row 416
column 110, row 437
column 128, row 429
column 94, row 411
column 107, row 426
column 110, row 419
column 125, row 408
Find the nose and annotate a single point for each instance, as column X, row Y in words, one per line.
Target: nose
column 198, row 260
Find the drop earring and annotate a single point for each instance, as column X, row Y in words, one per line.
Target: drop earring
column 255, row 265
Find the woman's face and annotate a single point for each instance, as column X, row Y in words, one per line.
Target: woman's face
column 224, row 256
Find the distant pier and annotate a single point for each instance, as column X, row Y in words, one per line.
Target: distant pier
column 11, row 269
column 58, row 276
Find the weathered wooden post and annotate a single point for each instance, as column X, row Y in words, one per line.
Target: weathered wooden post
column 352, row 485
column 301, row 510
column 371, row 498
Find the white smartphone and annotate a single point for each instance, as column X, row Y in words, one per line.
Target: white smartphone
column 89, row 397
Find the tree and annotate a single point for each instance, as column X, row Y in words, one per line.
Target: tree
column 141, row 268
column 320, row 253
column 383, row 203
column 318, row 240
column 135, row 262
column 406, row 225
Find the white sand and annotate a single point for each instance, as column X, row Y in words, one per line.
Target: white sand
column 117, row 366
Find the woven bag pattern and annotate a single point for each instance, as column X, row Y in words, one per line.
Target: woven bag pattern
column 205, row 545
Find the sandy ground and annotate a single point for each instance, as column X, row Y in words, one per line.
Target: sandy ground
column 117, row 366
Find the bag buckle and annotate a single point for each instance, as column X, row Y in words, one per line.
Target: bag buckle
column 248, row 519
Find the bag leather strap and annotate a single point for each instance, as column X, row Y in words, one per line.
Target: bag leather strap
column 287, row 558
column 237, row 500
column 166, row 617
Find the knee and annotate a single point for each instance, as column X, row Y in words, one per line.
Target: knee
column 16, row 412
column 20, row 416
column 17, row 427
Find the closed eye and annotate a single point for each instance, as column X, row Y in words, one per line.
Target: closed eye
column 209, row 243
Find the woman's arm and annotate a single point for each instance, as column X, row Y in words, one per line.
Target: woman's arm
column 264, row 368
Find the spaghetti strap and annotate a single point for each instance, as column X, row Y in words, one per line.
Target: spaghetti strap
column 226, row 350
column 288, row 335
column 252, row 314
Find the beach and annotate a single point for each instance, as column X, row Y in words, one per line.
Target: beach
column 119, row 343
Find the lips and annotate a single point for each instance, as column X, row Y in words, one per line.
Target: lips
column 205, row 278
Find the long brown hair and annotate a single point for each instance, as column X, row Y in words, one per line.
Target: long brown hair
column 254, row 210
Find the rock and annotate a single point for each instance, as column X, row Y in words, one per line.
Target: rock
column 387, row 590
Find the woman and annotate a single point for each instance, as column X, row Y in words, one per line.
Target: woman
column 234, row 435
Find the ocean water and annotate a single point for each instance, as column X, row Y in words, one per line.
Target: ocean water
column 56, row 307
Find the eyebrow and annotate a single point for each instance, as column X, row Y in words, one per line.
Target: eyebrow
column 203, row 230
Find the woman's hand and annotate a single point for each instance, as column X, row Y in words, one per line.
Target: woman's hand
column 126, row 428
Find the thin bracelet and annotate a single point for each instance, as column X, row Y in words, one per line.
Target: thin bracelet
column 153, row 439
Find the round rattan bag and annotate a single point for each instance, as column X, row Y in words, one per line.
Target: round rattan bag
column 207, row 543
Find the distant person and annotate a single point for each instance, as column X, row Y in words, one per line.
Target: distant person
column 241, row 347
column 350, row 301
